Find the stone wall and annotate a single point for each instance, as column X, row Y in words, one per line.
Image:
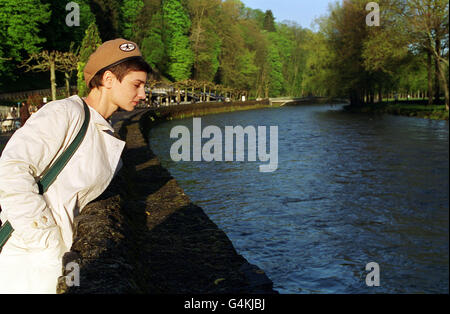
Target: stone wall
column 144, row 235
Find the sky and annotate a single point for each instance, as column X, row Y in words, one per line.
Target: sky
column 303, row 12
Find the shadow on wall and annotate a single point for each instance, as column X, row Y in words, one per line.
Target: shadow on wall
column 143, row 235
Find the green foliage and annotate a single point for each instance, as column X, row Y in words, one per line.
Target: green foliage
column 255, row 15
column 130, row 10
column 107, row 16
column 276, row 78
column 20, row 25
column 90, row 43
column 224, row 42
column 269, row 21
column 58, row 34
column 410, row 75
column 180, row 57
column 290, row 41
column 152, row 46
column 206, row 62
column 359, row 62
column 176, row 26
column 345, row 34
column 204, row 39
column 207, row 40
column 247, row 70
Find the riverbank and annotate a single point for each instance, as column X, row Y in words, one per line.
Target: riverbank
column 409, row 109
column 205, row 108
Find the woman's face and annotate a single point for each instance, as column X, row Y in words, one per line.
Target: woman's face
column 130, row 91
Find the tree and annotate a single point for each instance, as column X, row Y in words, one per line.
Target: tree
column 237, row 62
column 145, row 20
column 152, row 46
column 385, row 49
column 386, row 46
column 276, row 78
column 409, row 29
column 318, row 78
column 257, row 40
column 20, row 24
column 90, row 43
column 176, row 26
column 346, row 32
column 255, row 15
column 292, row 42
column 247, row 68
column 58, row 34
column 130, row 10
column 107, row 16
column 205, row 41
column 50, row 61
column 68, row 64
column 411, row 76
column 269, row 21
column 428, row 22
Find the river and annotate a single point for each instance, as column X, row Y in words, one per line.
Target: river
column 350, row 189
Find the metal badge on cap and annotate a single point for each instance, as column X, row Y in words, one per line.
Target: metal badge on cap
column 127, row 47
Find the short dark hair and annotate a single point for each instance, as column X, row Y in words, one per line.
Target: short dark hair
column 121, row 70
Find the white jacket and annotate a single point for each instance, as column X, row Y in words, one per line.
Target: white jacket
column 30, row 261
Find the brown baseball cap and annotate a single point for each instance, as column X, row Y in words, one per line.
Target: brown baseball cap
column 110, row 53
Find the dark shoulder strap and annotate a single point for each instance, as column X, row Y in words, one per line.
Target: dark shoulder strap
column 5, row 232
column 51, row 174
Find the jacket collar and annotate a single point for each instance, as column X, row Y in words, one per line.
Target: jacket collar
column 97, row 118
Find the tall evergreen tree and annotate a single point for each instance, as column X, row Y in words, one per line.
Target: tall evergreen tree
column 269, row 21
column 276, row 78
column 90, row 43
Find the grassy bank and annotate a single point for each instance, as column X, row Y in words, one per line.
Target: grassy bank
column 409, row 109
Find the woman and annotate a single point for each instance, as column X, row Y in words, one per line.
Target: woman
column 31, row 260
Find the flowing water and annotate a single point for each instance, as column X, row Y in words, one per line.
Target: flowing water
column 349, row 190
